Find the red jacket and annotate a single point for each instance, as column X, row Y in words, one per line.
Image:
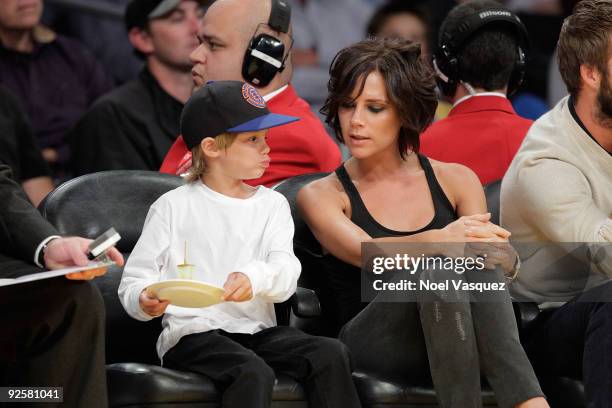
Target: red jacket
column 482, row 132
column 297, row 148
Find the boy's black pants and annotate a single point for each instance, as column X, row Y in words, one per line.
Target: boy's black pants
column 243, row 365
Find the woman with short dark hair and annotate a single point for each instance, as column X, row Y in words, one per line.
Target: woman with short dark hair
column 381, row 97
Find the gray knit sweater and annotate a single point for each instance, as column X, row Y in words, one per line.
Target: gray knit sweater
column 558, row 189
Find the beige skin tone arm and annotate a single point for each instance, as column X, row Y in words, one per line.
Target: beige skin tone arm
column 71, row 251
column 324, row 209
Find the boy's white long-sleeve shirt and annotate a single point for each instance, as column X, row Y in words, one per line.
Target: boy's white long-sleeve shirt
column 224, row 235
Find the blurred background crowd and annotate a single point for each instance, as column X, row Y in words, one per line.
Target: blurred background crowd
column 58, row 57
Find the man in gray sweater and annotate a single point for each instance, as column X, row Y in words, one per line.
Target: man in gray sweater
column 556, row 199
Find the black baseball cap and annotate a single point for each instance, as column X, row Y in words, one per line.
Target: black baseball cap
column 139, row 12
column 226, row 106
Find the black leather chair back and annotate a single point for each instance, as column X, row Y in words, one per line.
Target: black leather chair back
column 303, row 239
column 492, row 191
column 309, row 252
column 87, row 206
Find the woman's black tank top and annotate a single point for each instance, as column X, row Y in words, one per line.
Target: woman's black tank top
column 344, row 279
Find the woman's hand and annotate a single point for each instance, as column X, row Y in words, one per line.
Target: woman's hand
column 469, row 229
column 475, row 228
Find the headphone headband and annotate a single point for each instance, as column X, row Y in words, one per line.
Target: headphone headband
column 280, row 16
column 454, row 37
column 450, row 41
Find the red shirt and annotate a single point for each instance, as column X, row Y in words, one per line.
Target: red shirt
column 482, row 133
column 297, row 148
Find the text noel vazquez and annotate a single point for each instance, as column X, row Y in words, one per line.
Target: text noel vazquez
column 425, row 285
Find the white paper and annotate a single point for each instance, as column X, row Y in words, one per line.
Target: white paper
column 52, row 274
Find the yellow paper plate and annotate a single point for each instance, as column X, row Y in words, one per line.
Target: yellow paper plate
column 187, row 293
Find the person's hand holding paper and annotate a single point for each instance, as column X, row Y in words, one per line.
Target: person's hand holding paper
column 72, row 251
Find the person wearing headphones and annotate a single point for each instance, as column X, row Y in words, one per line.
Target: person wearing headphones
column 250, row 40
column 480, row 60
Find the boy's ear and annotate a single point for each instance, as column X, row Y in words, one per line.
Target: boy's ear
column 209, row 147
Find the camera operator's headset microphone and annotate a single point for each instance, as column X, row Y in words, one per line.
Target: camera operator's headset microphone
column 265, row 55
column 446, row 60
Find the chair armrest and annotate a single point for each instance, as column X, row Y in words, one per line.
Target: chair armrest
column 526, row 313
column 304, row 303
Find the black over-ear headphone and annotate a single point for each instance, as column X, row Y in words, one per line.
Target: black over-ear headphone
column 446, row 60
column 265, row 55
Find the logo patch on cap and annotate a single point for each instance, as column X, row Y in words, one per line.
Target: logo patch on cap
column 253, row 97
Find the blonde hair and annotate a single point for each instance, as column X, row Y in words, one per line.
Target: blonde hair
column 198, row 161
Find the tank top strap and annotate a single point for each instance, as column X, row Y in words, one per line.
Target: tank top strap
column 358, row 208
column 345, row 180
column 438, row 196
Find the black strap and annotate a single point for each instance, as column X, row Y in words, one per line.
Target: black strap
column 361, row 216
column 437, row 194
column 280, row 16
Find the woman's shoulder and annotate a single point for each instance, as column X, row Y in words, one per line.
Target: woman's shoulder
column 324, row 190
column 453, row 172
column 456, row 180
column 329, row 184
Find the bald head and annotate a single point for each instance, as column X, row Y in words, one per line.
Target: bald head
column 227, row 28
column 247, row 15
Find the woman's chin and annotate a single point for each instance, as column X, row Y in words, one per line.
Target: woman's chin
column 360, row 153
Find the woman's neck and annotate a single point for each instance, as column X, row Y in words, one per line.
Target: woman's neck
column 381, row 166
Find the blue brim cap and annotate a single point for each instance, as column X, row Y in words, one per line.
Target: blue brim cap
column 226, row 106
column 264, row 122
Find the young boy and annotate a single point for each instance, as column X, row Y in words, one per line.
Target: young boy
column 240, row 237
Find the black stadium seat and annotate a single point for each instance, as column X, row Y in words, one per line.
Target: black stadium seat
column 87, row 206
column 90, row 204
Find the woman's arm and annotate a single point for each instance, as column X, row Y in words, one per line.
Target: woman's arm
column 323, row 209
column 462, row 188
column 464, row 185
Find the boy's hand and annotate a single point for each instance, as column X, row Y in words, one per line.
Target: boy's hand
column 237, row 288
column 152, row 305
